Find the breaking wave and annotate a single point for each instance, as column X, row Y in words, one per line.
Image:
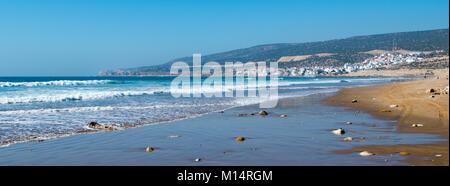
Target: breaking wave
column 57, row 83
column 71, row 96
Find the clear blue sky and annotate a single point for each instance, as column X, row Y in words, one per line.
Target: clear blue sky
column 54, row 38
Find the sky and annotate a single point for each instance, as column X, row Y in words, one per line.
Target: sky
column 80, row 38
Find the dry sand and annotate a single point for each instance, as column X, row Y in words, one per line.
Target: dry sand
column 415, row 106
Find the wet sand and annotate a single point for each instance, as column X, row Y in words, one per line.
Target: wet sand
column 302, row 138
column 415, row 106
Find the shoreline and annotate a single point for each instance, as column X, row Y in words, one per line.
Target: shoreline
column 211, row 136
column 302, row 138
column 414, row 106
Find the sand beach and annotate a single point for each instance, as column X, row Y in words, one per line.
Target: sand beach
column 416, row 109
column 297, row 132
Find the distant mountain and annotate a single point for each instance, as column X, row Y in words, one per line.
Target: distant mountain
column 338, row 52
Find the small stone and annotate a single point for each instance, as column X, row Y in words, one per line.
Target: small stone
column 385, row 111
column 149, row 149
column 174, row 136
column 417, row 125
column 283, row 115
column 240, row 139
column 250, row 114
column 445, row 90
column 372, row 125
column 197, row 160
column 438, row 155
column 262, row 113
column 393, row 106
column 348, row 139
column 109, row 127
column 348, row 123
column 366, row 153
column 339, row 131
column 241, row 115
column 354, row 101
column 94, row 125
column 431, row 90
column 404, row 153
column 363, row 138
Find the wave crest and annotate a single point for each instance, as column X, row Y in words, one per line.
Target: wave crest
column 72, row 96
column 55, row 83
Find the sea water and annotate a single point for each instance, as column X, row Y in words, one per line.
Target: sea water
column 49, row 107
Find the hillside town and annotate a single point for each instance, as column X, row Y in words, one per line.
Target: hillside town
column 378, row 61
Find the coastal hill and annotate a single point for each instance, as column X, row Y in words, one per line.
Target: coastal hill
column 322, row 53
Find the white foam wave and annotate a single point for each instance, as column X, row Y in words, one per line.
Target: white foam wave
column 82, row 94
column 102, row 108
column 54, row 83
column 69, row 96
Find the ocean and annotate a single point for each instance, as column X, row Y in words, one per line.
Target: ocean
column 48, row 107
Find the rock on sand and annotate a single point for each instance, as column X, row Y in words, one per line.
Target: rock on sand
column 339, row 131
column 348, row 139
column 150, row 149
column 262, row 113
column 431, row 90
column 94, row 125
column 366, row 153
column 174, row 136
column 240, row 139
column 417, row 125
column 393, row 106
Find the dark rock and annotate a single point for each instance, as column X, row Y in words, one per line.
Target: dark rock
column 94, row 125
column 339, row 131
column 431, row 90
column 262, row 113
column 151, row 149
column 240, row 139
